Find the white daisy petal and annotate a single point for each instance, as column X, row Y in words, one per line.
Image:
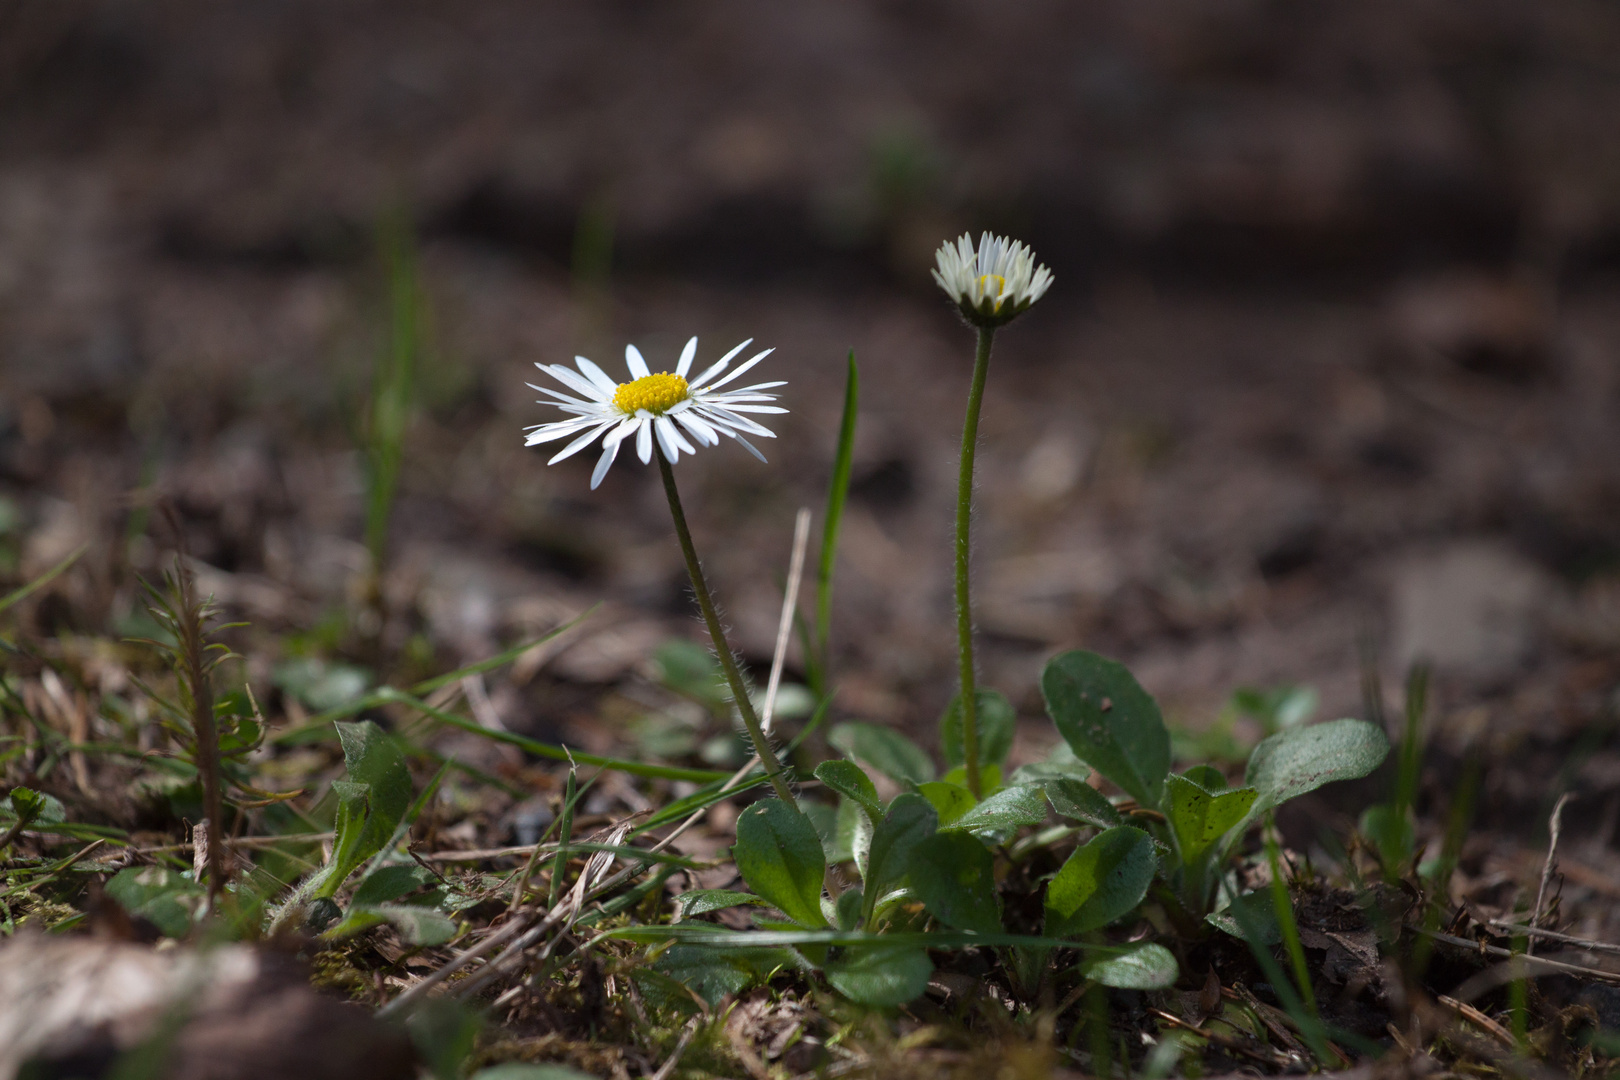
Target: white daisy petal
column 598, row 378
column 663, row 429
column 644, row 440
column 718, row 366
column 609, row 452
column 748, row 446
column 623, row 431
column 580, row 443
column 741, row 368
column 559, row 395
column 702, row 432
column 667, row 428
column 741, row 423
column 545, row 433
column 574, row 381
column 638, row 367
column 732, row 406
column 685, row 363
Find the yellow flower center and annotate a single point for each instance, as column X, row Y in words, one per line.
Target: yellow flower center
column 655, row 393
column 1000, row 283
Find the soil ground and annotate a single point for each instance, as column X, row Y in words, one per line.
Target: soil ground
column 1329, row 382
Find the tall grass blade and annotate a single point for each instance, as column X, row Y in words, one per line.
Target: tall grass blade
column 1411, row 757
column 43, row 580
column 565, row 836
column 393, row 385
column 837, row 495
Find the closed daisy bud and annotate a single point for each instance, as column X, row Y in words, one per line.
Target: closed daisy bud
column 994, row 284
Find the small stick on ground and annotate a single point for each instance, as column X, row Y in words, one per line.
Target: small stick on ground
column 1554, row 826
column 1585, row 944
column 1485, row 1023
column 680, row 1048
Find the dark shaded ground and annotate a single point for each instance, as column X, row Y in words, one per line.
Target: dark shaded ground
column 1331, row 357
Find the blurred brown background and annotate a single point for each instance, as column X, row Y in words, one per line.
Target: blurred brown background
column 1331, row 357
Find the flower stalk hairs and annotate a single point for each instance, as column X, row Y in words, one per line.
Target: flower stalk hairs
column 991, row 285
column 673, row 411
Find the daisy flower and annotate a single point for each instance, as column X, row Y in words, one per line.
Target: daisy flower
column 653, row 406
column 994, row 284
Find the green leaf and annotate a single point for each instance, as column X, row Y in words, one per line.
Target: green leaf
column 1109, row 721
column 703, row 901
column 1302, row 759
column 1207, row 777
column 1146, row 967
column 1278, row 708
column 520, row 1070
column 997, row 723
column 712, row 973
column 1100, row 882
column 1259, row 912
column 27, row 804
column 954, row 877
column 950, row 801
column 881, row 975
column 1079, row 801
column 321, row 684
column 33, row 808
column 390, row 883
column 885, row 749
column 989, row 778
column 851, row 781
column 911, row 820
column 417, row 925
column 851, row 903
column 1008, row 809
column 1060, row 761
column 1201, row 817
column 372, row 757
column 371, row 803
column 162, row 896
column 444, row 1032
column 779, row 854
column 664, row 993
column 851, row 836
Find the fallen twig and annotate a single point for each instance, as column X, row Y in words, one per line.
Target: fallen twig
column 1502, row 1034
column 1554, row 826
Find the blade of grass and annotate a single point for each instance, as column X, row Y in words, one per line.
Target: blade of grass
column 43, row 580
column 500, row 659
column 547, row 750
column 319, row 727
column 1300, row 1003
column 719, row 936
column 392, row 385
column 565, row 835
column 837, row 495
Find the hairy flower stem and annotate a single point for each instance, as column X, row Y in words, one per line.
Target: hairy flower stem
column 964, row 603
column 728, row 662
column 205, row 738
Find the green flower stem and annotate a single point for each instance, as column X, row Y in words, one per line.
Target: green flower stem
column 964, row 603
column 728, row 662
